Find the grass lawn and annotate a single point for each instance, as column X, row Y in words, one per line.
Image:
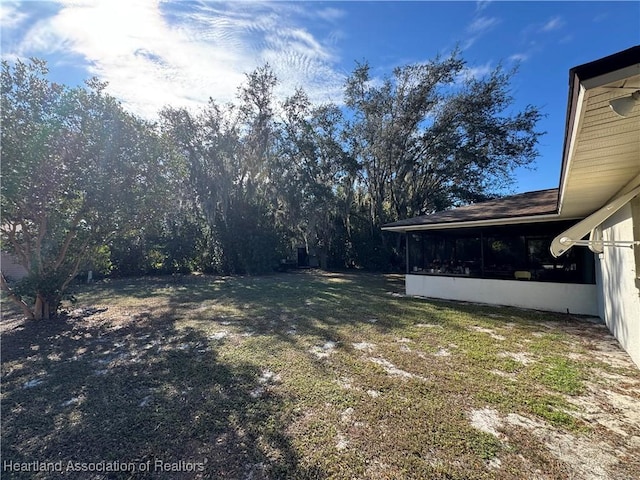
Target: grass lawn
column 312, row 375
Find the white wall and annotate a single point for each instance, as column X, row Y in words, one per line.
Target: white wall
column 619, row 280
column 553, row 297
column 11, row 269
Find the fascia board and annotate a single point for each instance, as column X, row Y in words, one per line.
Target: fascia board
column 577, row 125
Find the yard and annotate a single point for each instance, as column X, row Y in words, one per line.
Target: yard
column 311, row 375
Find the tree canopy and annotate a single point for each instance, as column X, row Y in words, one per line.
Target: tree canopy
column 77, row 171
column 235, row 188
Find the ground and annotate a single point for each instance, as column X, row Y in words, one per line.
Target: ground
column 311, row 375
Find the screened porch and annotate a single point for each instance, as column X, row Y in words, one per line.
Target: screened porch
column 506, row 252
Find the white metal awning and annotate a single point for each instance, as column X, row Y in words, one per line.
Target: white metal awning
column 590, row 225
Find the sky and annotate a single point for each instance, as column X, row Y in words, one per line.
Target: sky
column 154, row 53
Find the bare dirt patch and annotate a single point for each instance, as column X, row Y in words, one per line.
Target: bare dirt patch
column 587, row 458
column 521, row 357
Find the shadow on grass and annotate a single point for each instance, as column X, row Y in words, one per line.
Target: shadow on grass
column 141, row 394
column 261, row 302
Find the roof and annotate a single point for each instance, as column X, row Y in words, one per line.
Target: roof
column 522, row 207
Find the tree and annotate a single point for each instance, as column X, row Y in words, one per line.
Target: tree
column 77, row 170
column 314, row 170
column 228, row 150
column 427, row 139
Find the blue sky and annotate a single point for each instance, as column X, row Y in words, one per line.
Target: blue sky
column 153, row 53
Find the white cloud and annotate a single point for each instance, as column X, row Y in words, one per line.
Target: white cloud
column 10, row 15
column 483, row 24
column 154, row 53
column 330, row 14
column 519, row 57
column 552, row 24
column 482, row 4
column 566, row 39
column 476, row 72
column 601, row 17
column 480, row 26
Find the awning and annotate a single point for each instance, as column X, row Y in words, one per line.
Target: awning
column 573, row 236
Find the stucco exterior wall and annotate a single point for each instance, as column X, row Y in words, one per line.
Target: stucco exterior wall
column 620, row 282
column 553, row 297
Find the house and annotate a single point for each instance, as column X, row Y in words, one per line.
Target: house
column 572, row 249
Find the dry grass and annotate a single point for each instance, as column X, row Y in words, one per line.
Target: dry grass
column 312, row 375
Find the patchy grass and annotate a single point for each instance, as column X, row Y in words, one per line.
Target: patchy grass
column 561, row 375
column 305, row 375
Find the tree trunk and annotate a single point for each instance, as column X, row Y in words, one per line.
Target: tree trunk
column 42, row 309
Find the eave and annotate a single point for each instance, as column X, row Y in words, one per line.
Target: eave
column 601, row 149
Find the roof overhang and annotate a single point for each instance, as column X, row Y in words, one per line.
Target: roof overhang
column 601, row 149
column 529, row 207
column 601, row 159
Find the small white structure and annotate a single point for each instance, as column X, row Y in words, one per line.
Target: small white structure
column 11, row 269
column 575, row 248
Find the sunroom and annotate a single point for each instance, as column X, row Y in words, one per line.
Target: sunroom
column 499, row 252
column 513, row 252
